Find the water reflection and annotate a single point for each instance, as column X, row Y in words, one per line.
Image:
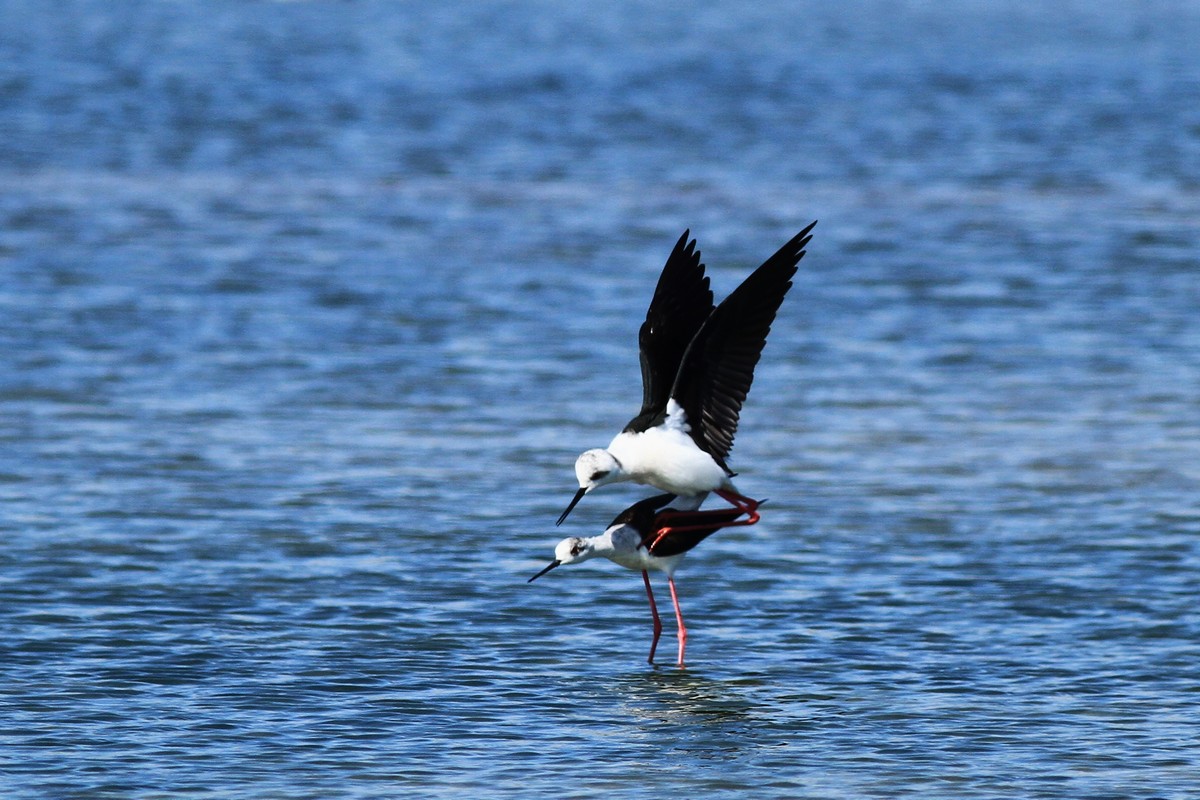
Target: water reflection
column 682, row 696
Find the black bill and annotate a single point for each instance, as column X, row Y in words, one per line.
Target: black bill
column 553, row 564
column 574, row 502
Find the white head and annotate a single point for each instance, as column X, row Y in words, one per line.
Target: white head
column 597, row 467
column 594, row 468
column 568, row 551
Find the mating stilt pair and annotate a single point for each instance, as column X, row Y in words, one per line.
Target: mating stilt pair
column 697, row 366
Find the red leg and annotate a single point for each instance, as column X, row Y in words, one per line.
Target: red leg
column 654, row 613
column 710, row 520
column 747, row 505
column 679, row 619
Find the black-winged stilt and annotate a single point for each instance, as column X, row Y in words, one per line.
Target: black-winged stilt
column 697, row 366
column 639, row 538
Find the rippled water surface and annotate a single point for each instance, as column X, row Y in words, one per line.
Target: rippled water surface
column 308, row 307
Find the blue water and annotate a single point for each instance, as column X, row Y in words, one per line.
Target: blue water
column 306, row 309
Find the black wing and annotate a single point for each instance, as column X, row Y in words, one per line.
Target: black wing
column 682, row 301
column 640, row 515
column 718, row 366
column 676, row 542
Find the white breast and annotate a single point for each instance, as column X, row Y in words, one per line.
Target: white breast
column 626, row 551
column 668, row 459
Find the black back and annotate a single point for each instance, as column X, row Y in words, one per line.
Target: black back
column 644, row 517
column 718, row 366
column 640, row 516
column 682, row 302
column 676, row 542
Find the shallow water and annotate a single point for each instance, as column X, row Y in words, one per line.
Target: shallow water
column 308, row 307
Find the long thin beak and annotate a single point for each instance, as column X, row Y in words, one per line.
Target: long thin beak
column 553, row 564
column 574, row 502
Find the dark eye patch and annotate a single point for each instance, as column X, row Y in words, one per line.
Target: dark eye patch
column 598, row 474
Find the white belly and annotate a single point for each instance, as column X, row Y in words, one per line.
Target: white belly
column 626, row 551
column 668, row 459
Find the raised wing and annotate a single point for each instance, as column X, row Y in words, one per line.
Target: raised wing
column 682, row 301
column 718, row 366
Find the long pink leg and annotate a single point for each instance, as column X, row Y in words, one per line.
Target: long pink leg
column 678, row 619
column 654, row 613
